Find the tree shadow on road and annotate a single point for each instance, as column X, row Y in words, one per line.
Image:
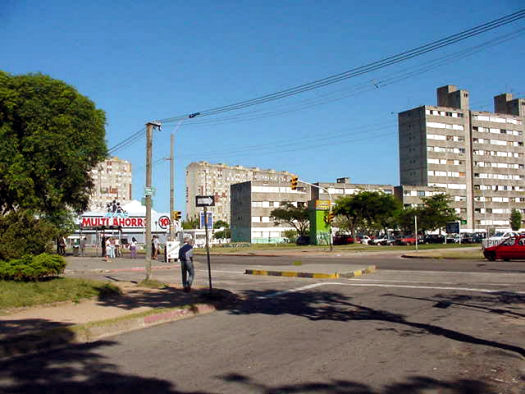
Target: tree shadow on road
column 414, row 384
column 323, row 305
column 488, row 302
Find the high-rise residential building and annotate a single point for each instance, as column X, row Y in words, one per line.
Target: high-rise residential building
column 112, row 181
column 203, row 178
column 252, row 203
column 476, row 156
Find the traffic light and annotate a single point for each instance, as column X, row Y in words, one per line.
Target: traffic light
column 293, row 182
column 329, row 217
column 176, row 215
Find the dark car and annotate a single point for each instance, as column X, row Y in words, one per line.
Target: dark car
column 510, row 248
column 303, row 240
column 343, row 239
column 434, row 239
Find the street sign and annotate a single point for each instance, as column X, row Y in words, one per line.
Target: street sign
column 209, row 221
column 453, row 228
column 149, row 191
column 164, row 222
column 204, row 201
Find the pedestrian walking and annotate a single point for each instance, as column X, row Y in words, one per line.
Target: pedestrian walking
column 83, row 243
column 117, row 247
column 133, row 248
column 186, row 261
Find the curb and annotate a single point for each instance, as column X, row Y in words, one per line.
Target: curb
column 55, row 338
column 294, row 274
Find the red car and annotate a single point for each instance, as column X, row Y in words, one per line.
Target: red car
column 510, row 248
column 342, row 239
column 406, row 240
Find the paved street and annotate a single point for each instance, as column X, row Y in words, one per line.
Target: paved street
column 456, row 330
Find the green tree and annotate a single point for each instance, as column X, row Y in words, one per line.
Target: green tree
column 367, row 210
column 436, row 212
column 290, row 235
column 297, row 217
column 220, row 224
column 190, row 223
column 226, row 233
column 405, row 219
column 50, row 138
column 515, row 220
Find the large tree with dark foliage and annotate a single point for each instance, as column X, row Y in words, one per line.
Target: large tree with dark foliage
column 50, row 138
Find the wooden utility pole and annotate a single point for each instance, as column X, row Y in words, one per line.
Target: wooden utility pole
column 148, row 193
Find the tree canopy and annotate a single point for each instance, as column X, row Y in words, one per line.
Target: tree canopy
column 368, row 210
column 50, row 138
column 297, row 217
column 436, row 212
column 515, row 220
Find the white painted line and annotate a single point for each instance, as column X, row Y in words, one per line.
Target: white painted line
column 423, row 281
column 383, row 285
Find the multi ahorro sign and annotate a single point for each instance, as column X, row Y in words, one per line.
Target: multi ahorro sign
column 103, row 221
column 114, row 217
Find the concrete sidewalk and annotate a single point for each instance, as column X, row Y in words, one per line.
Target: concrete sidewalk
column 33, row 329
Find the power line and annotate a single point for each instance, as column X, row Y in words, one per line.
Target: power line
column 406, row 55
column 339, row 77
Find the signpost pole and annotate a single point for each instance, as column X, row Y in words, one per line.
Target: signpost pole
column 207, row 246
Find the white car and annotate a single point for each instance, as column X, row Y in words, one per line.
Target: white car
column 502, row 235
column 365, row 240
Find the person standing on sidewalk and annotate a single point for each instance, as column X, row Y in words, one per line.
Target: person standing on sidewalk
column 186, row 261
column 133, row 248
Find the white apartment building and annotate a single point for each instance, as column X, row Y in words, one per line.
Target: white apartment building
column 251, row 207
column 342, row 187
column 203, row 178
column 476, row 157
column 112, row 181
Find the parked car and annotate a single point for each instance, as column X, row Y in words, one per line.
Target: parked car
column 365, row 240
column 478, row 237
column 406, row 240
column 384, row 240
column 510, row 248
column 502, row 235
column 434, row 239
column 453, row 238
column 343, row 239
column 303, row 240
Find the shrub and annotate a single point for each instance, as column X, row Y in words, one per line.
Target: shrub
column 21, row 233
column 32, row 268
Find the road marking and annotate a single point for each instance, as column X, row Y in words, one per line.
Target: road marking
column 297, row 289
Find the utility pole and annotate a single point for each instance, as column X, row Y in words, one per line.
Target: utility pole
column 172, row 190
column 148, row 193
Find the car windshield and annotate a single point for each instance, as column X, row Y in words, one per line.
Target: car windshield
column 499, row 234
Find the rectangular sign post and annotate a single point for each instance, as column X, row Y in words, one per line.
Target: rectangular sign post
column 206, row 201
column 207, row 245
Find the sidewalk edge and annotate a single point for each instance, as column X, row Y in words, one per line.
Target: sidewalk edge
column 55, row 338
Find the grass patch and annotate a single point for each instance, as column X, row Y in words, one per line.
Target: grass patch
column 297, row 262
column 152, row 284
column 21, row 294
column 449, row 254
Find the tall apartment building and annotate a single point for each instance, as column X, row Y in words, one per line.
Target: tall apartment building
column 112, row 180
column 203, row 178
column 476, row 156
column 251, row 205
column 343, row 187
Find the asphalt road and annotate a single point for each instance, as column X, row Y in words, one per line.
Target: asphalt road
column 458, row 330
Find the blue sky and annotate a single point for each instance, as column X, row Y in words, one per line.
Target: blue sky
column 148, row 60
